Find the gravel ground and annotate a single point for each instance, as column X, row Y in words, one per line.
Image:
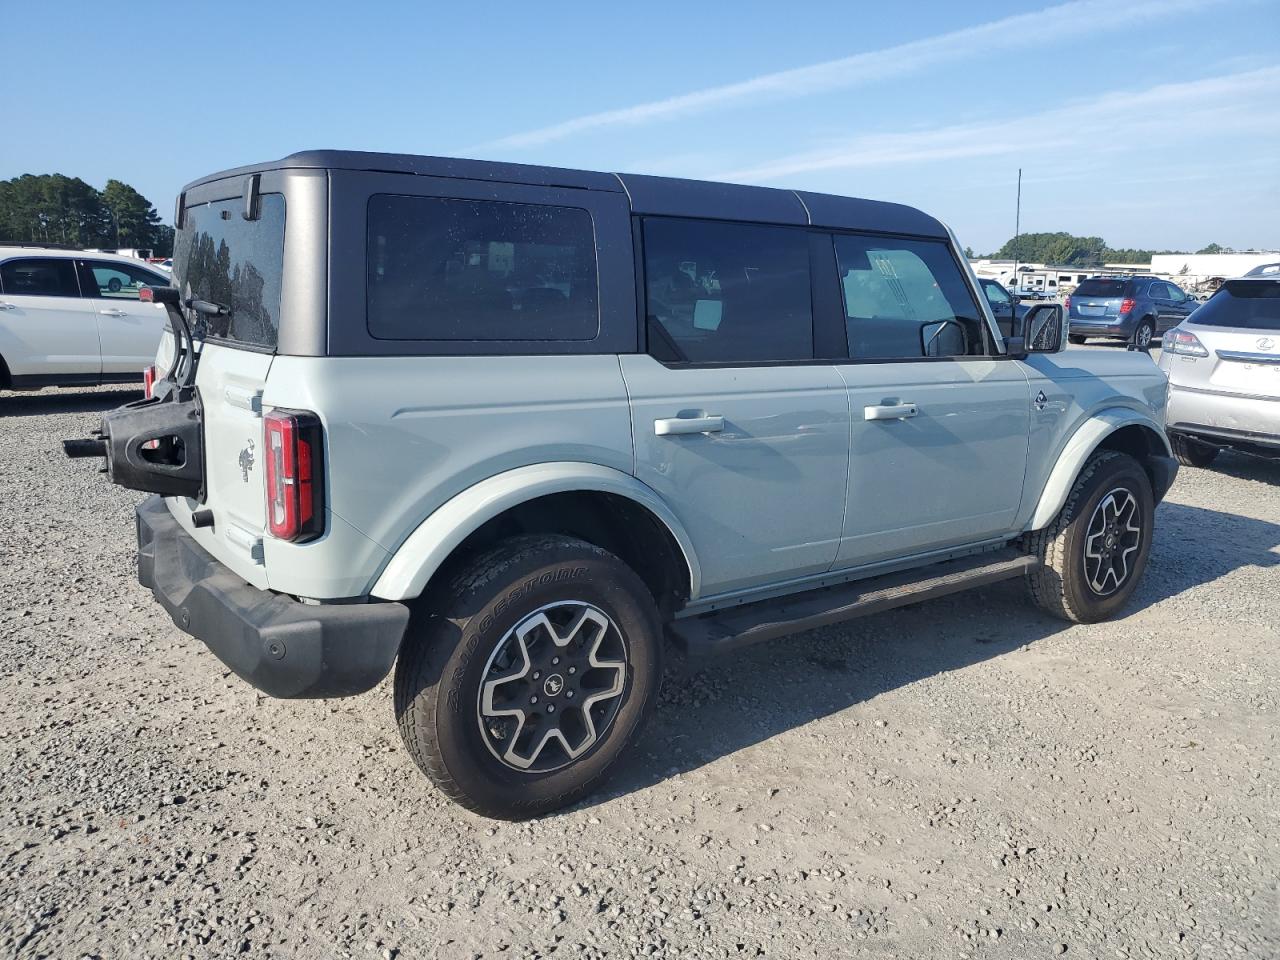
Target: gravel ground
column 964, row 777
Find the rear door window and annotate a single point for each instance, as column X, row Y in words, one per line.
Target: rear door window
column 442, row 269
column 39, row 277
column 718, row 292
column 120, row 281
column 906, row 299
column 221, row 257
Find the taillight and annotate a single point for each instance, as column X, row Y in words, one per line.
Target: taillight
column 149, row 381
column 1126, row 304
column 1066, row 302
column 295, row 493
column 1187, row 344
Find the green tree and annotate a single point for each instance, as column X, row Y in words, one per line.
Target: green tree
column 133, row 218
column 52, row 208
column 1214, row 248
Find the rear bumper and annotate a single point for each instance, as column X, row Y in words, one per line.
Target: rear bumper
column 283, row 647
column 1226, row 417
column 1101, row 327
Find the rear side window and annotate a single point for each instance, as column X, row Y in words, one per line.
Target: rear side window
column 906, row 299
column 1246, row 304
column 441, row 269
column 1100, row 288
column 39, row 277
column 119, row 281
column 221, row 257
column 727, row 292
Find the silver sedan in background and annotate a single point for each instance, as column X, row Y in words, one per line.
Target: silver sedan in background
column 1223, row 363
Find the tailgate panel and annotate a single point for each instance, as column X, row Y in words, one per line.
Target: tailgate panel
column 230, row 382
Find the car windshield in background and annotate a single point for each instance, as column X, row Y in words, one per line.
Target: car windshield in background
column 221, row 257
column 1100, row 288
column 1244, row 304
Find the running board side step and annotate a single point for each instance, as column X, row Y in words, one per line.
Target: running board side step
column 769, row 619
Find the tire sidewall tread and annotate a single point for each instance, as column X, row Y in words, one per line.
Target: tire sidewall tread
column 445, row 653
column 1058, row 586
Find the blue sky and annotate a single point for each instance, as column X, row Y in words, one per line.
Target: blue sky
column 1152, row 123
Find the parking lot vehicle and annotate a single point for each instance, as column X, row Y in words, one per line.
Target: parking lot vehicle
column 507, row 428
column 1223, row 364
column 1137, row 309
column 1005, row 306
column 1265, row 270
column 68, row 318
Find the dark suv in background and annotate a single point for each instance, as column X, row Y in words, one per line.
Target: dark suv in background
column 1136, row 309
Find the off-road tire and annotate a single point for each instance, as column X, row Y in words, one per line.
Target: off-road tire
column 1192, row 453
column 1060, row 585
column 453, row 633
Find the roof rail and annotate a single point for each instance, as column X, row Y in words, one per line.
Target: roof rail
column 35, row 245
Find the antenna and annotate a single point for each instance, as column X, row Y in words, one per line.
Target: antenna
column 1017, row 231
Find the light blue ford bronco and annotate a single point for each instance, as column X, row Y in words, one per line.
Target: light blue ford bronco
column 511, row 430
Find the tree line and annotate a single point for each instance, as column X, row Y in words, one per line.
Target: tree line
column 52, row 208
column 1066, row 248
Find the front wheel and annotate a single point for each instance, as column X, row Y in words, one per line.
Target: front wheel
column 536, row 668
column 1095, row 551
column 1076, row 338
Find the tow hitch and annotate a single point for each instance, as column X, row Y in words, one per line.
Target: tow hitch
column 156, row 445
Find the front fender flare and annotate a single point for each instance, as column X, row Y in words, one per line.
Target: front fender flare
column 1087, row 438
column 420, row 556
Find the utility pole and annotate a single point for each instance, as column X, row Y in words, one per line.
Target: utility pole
column 1017, row 230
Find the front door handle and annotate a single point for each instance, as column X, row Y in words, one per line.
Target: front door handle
column 673, row 426
column 113, row 312
column 7, row 306
column 890, row 411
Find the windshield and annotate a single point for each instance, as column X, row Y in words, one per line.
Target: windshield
column 225, row 259
column 1244, row 304
column 1100, row 288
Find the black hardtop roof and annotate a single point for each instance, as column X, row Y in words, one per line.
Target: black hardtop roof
column 647, row 195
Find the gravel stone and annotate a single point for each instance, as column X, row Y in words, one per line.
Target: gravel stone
column 965, row 777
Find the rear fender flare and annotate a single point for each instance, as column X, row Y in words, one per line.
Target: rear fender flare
column 1087, row 438
column 416, row 560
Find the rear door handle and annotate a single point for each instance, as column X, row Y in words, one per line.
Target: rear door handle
column 113, row 312
column 673, row 426
column 890, row 411
column 7, row 306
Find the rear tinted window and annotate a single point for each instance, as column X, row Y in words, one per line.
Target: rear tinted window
column 223, row 258
column 480, row 270
column 727, row 292
column 1100, row 288
column 1247, row 304
column 39, row 277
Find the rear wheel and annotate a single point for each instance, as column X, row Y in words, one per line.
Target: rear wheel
column 1192, row 453
column 1143, row 336
column 534, row 671
column 1095, row 551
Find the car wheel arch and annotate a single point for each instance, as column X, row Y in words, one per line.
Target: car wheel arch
column 528, row 499
column 1124, row 430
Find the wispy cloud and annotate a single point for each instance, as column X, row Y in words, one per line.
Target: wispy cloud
column 1117, row 121
column 1061, row 22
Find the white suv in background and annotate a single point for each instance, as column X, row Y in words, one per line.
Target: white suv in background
column 71, row 318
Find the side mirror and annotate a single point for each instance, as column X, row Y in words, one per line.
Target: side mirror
column 1015, row 298
column 1045, row 328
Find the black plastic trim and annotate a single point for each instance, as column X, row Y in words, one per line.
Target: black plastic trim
column 282, row 646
